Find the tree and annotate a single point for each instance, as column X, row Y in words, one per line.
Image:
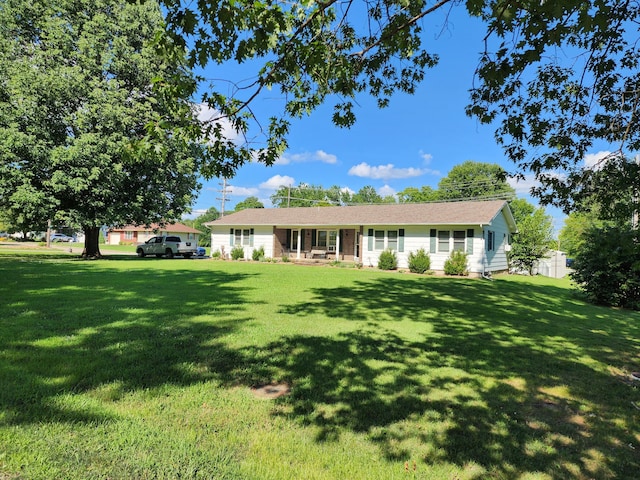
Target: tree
column 249, row 202
column 521, row 209
column 305, row 195
column 607, row 267
column 76, row 97
column 557, row 76
column 415, row 195
column 475, row 180
column 561, row 77
column 531, row 243
column 367, row 194
column 572, row 236
column 198, row 223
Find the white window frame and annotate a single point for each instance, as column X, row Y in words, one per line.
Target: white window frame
column 441, row 241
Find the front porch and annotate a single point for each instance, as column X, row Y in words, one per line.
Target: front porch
column 311, row 245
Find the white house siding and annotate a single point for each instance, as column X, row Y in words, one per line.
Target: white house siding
column 419, row 236
column 496, row 258
column 262, row 237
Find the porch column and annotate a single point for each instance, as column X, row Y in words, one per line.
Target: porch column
column 299, row 243
column 338, row 244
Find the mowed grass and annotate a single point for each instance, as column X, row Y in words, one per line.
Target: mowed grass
column 127, row 368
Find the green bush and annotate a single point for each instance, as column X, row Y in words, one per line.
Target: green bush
column 216, row 254
column 456, row 264
column 419, row 262
column 388, row 260
column 257, row 254
column 607, row 267
column 237, row 253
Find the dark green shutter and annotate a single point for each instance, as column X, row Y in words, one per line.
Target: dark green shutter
column 470, row 241
column 401, row 240
column 251, row 238
column 370, row 240
column 432, row 241
column 314, row 236
column 231, row 238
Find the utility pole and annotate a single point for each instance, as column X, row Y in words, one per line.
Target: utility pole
column 223, row 192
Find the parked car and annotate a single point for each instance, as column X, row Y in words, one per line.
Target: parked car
column 61, row 237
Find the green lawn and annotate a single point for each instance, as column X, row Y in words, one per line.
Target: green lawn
column 138, row 369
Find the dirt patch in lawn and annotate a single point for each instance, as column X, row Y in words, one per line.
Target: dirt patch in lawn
column 271, row 390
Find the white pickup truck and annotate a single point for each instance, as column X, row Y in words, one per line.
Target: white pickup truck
column 167, row 245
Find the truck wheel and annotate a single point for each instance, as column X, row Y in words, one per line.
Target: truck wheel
column 187, row 255
column 140, row 253
column 169, row 253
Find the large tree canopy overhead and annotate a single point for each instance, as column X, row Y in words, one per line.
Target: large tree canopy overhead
column 557, row 76
column 561, row 78
column 76, row 96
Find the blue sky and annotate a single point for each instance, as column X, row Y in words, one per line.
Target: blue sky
column 414, row 142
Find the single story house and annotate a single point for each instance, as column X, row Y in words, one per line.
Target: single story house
column 134, row 234
column 360, row 233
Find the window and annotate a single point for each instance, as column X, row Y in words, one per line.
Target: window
column 458, row 240
column 379, row 239
column 491, row 240
column 128, row 235
column 443, row 241
column 238, row 240
column 245, row 238
column 322, row 238
column 326, row 238
column 333, row 235
column 392, row 240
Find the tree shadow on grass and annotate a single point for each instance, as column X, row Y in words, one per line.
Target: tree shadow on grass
column 507, row 375
column 73, row 330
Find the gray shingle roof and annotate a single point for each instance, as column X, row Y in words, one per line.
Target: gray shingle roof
column 444, row 213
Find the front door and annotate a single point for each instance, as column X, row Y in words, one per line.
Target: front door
column 294, row 240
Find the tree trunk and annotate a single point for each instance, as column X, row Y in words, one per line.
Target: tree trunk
column 91, row 242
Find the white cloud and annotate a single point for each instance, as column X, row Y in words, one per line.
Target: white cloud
column 347, row 190
column 317, row 156
column 594, row 160
column 427, row 157
column 523, row 186
column 325, row 157
column 277, row 181
column 385, row 172
column 208, row 114
column 242, row 191
column 386, row 191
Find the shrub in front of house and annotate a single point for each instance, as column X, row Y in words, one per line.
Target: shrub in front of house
column 388, row 260
column 419, row 262
column 257, row 254
column 456, row 264
column 237, row 253
column 216, row 254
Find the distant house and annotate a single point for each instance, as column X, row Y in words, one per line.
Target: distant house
column 132, row 234
column 360, row 233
